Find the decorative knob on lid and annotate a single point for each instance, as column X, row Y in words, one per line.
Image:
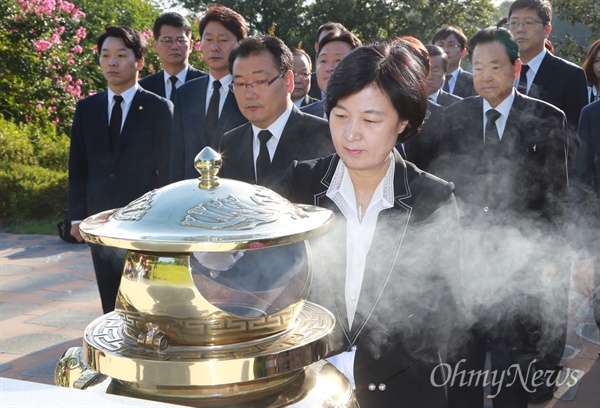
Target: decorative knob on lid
column 208, row 163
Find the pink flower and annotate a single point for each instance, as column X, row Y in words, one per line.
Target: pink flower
column 42, row 45
column 78, row 49
column 198, row 46
column 81, row 34
column 59, row 30
column 68, row 77
column 55, row 39
column 56, row 120
column 147, row 34
column 38, row 106
column 66, row 6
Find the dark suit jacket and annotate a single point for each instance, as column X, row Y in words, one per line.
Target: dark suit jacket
column 189, row 126
column 304, row 137
column 308, row 100
column 315, row 91
column 405, row 303
column 522, row 174
column 423, row 148
column 445, row 99
column 563, row 84
column 98, row 180
column 585, row 177
column 155, row 82
column 464, row 84
column 316, row 109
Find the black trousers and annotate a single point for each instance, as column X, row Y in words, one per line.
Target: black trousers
column 108, row 267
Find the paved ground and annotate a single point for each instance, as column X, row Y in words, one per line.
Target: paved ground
column 48, row 295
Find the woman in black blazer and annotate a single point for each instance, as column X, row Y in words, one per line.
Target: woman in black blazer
column 391, row 266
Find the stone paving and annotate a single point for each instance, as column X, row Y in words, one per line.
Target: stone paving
column 48, row 295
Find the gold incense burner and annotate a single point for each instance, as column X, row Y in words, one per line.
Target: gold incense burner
column 212, row 309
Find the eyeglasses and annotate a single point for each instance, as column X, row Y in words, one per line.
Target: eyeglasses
column 514, row 24
column 168, row 41
column 256, row 85
column 449, row 46
column 303, row 75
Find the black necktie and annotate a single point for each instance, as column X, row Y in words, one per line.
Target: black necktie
column 491, row 131
column 173, row 80
column 212, row 115
column 263, row 161
column 523, row 80
column 116, row 117
column 446, row 86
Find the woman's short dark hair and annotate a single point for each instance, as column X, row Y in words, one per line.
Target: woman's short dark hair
column 131, row 37
column 256, row 45
column 230, row 19
column 395, row 69
column 588, row 64
column 495, row 34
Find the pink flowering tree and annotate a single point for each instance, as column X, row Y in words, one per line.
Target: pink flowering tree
column 40, row 56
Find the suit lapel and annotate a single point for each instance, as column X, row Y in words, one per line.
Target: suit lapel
column 543, row 77
column 102, row 107
column 228, row 110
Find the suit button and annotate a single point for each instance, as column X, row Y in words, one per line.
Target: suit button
column 353, row 348
column 382, row 387
column 112, row 176
column 486, row 209
column 372, row 387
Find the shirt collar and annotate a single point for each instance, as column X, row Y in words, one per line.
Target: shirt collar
column 225, row 81
column 534, row 64
column 276, row 127
column 127, row 95
column 180, row 76
column 503, row 107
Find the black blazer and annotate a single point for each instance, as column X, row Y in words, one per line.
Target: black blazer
column 445, row 99
column 405, row 303
column 98, row 180
column 563, row 84
column 524, row 174
column 155, row 82
column 585, row 177
column 308, row 100
column 424, row 147
column 464, row 84
column 189, row 126
column 304, row 137
column 316, row 109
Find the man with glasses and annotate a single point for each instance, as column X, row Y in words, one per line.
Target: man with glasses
column 277, row 133
column 205, row 108
column 545, row 76
column 173, row 44
column 302, row 81
column 454, row 42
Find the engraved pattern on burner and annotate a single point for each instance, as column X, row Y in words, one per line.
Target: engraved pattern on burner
column 135, row 210
column 231, row 213
column 312, row 324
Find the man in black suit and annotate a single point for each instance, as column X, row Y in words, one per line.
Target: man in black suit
column 509, row 167
column 454, row 42
column 302, row 82
column 547, row 77
column 322, row 31
column 586, row 202
column 277, row 133
column 437, row 76
column 551, row 79
column 118, row 142
column 332, row 49
column 205, row 108
column 173, row 44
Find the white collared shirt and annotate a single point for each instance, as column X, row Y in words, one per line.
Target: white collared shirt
column 225, row 81
column 434, row 96
column 125, row 105
column 504, row 109
column 180, row 80
column 359, row 235
column 276, row 130
column 534, row 67
column 298, row 103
